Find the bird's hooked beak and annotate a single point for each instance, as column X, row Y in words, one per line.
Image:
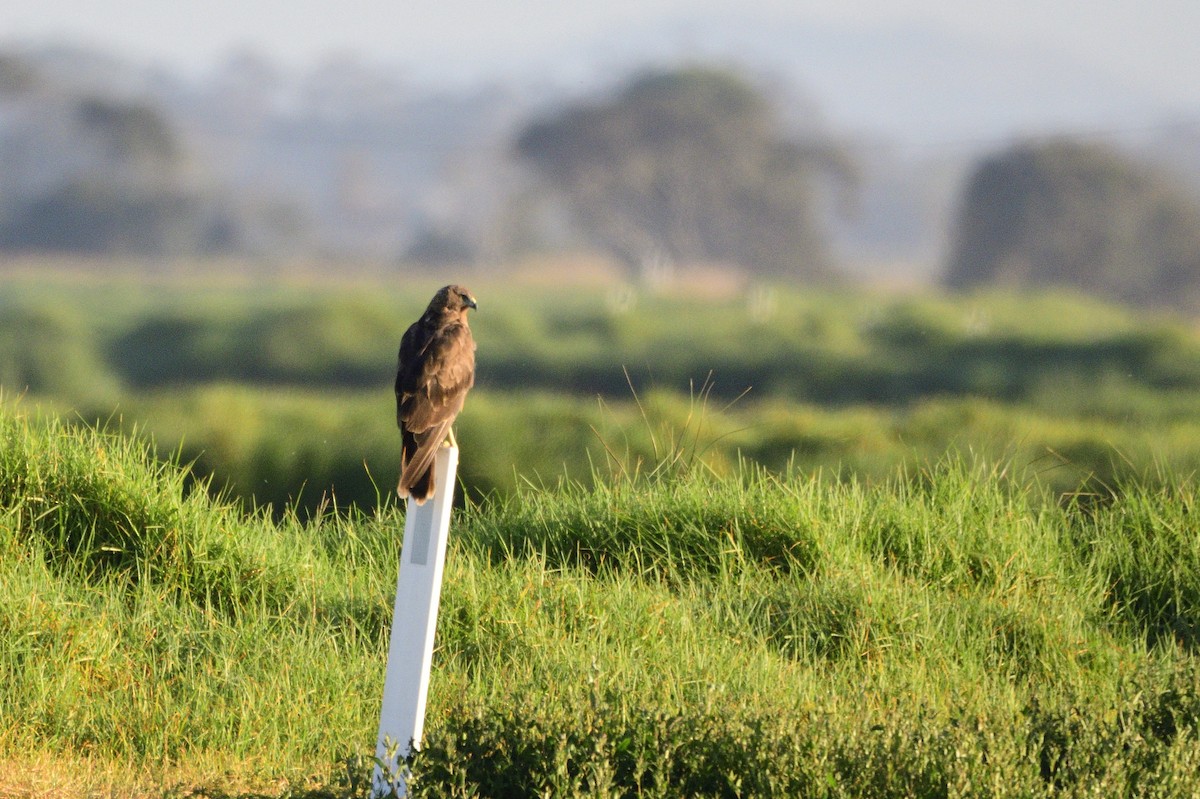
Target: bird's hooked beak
column 469, row 302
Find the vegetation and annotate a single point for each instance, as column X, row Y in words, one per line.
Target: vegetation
column 282, row 394
column 102, row 174
column 121, row 191
column 940, row 633
column 968, row 568
column 1065, row 213
column 689, row 165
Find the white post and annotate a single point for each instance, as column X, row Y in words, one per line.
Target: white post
column 414, row 620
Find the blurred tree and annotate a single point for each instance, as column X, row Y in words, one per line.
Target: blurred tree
column 97, row 216
column 437, row 246
column 690, row 165
column 106, row 176
column 48, row 350
column 1079, row 215
column 133, row 139
column 17, row 77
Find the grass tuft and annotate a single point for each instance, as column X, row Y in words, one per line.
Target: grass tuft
column 945, row 631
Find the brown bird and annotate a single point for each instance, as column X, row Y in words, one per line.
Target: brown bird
column 436, row 369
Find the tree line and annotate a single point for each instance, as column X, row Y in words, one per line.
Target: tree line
column 696, row 163
column 675, row 167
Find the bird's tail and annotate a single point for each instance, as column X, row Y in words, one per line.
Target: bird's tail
column 416, row 464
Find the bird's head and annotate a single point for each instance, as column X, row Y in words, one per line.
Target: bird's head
column 452, row 301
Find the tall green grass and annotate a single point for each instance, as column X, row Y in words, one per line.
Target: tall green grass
column 291, row 448
column 146, row 623
column 280, row 392
column 821, row 347
column 943, row 631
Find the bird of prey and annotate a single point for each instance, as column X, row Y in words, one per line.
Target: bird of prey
column 436, row 369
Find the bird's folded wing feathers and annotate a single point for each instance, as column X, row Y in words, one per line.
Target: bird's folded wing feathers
column 448, row 372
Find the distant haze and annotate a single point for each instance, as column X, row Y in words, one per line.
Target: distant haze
column 381, row 125
column 915, row 69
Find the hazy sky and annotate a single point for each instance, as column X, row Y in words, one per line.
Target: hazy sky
column 1147, row 41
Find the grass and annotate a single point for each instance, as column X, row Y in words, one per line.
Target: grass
column 288, row 448
column 816, row 346
column 123, row 585
column 939, row 632
column 279, row 391
column 944, row 547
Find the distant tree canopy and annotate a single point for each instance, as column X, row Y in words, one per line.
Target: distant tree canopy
column 122, row 194
column 1078, row 215
column 129, row 135
column 95, row 217
column 99, row 175
column 693, row 165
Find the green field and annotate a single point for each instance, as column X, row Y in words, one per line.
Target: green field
column 943, row 547
column 281, row 392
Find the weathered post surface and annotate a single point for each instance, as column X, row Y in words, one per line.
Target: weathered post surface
column 414, row 621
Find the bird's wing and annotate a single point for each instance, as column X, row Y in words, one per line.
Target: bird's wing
column 437, row 382
column 409, row 365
